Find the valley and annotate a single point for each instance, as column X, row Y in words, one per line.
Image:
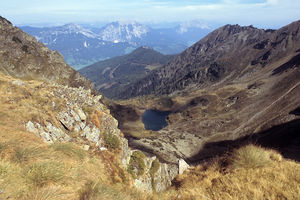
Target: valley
column 215, row 102
column 83, row 46
column 219, row 120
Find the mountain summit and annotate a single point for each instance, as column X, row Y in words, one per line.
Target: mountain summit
column 130, row 32
column 112, row 75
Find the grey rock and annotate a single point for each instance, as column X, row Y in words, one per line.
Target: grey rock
column 143, row 183
column 92, row 133
column 31, row 128
column 66, row 120
column 182, row 166
column 81, row 114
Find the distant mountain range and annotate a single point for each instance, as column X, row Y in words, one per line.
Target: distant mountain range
column 84, row 46
column 111, row 76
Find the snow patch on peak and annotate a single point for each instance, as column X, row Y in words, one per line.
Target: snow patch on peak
column 85, row 44
column 123, row 31
column 75, row 28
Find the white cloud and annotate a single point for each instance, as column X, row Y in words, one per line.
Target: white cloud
column 258, row 12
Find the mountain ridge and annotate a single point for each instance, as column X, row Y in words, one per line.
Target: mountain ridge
column 112, row 75
column 206, row 54
column 24, row 57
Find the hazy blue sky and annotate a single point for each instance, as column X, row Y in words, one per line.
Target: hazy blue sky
column 261, row 13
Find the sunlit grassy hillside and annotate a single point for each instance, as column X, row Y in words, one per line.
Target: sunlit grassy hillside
column 32, row 169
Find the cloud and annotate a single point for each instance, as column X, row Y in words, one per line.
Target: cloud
column 256, row 12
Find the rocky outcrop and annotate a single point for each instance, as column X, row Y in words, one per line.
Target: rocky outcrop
column 83, row 119
column 22, row 56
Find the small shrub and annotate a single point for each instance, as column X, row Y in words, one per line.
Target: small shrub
column 111, row 141
column 69, row 150
column 41, row 174
column 136, row 164
column 250, row 156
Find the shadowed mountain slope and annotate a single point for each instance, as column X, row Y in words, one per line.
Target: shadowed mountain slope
column 229, row 53
column 112, row 75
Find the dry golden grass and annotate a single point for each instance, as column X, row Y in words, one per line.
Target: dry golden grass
column 251, row 173
column 31, row 169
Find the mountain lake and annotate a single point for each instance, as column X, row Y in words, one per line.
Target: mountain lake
column 155, row 120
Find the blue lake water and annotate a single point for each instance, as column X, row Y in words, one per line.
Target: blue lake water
column 155, row 120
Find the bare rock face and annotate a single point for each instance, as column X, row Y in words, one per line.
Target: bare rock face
column 22, row 56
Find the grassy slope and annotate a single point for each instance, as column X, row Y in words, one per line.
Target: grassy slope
column 250, row 172
column 31, row 169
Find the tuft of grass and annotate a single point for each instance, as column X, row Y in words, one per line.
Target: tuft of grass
column 44, row 173
column 89, row 191
column 250, row 156
column 5, row 168
column 95, row 191
column 111, row 141
column 137, row 164
column 69, row 150
column 23, row 155
column 47, row 193
column 3, row 148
